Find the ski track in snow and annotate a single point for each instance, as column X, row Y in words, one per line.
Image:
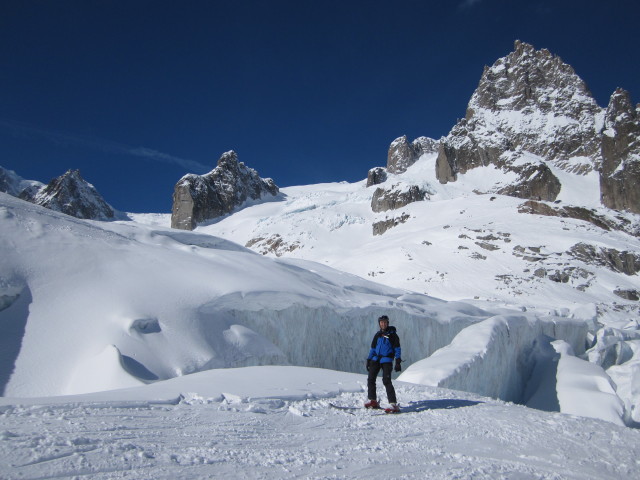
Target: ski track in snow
column 441, row 434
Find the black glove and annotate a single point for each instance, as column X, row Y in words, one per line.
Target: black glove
column 398, row 367
column 368, row 364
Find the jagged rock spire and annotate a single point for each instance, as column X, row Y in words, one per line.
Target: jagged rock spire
column 529, row 108
column 198, row 198
column 620, row 173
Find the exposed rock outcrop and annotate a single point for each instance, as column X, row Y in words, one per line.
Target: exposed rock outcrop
column 376, row 176
column 383, row 225
column 72, row 195
column 535, row 180
column 397, row 196
column 274, row 244
column 620, row 172
column 623, row 262
column 198, row 198
column 403, row 154
column 580, row 213
column 529, row 108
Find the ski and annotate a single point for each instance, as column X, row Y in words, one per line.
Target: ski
column 386, row 411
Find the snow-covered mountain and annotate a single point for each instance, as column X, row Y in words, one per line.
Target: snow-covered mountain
column 508, row 209
column 198, row 198
column 69, row 193
column 14, row 184
column 532, row 112
column 529, row 101
column 73, row 195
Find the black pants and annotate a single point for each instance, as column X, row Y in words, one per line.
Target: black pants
column 374, row 369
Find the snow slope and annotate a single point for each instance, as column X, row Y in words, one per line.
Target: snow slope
column 142, row 304
column 275, row 422
column 123, row 304
column 457, row 245
column 119, row 304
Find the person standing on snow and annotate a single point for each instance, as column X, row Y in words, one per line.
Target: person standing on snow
column 385, row 347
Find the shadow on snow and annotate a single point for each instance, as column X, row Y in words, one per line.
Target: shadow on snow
column 446, row 404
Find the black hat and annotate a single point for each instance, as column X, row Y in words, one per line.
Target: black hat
column 383, row 317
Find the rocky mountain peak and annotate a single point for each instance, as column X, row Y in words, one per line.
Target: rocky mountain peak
column 198, row 198
column 533, row 100
column 620, row 172
column 73, row 195
column 530, row 112
column 620, row 111
column 228, row 160
column 530, row 78
column 403, row 154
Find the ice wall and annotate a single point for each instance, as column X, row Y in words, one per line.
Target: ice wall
column 494, row 357
column 478, row 352
column 618, row 352
column 340, row 340
column 584, row 389
column 319, row 334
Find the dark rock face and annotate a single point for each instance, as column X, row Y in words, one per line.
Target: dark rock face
column 382, row 226
column 627, row 294
column 580, row 213
column 198, row 198
column 620, row 172
column 529, row 108
column 403, row 154
column 396, row 197
column 72, row 195
column 376, row 176
column 622, row 262
column 536, row 181
column 425, row 145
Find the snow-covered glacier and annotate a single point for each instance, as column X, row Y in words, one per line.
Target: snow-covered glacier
column 92, row 306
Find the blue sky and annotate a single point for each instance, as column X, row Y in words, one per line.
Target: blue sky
column 137, row 93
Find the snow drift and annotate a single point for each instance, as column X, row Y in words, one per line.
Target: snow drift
column 505, row 357
column 275, row 422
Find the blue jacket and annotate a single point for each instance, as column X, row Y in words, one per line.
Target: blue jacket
column 385, row 346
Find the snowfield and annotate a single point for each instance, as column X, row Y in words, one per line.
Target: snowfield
column 276, row 422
